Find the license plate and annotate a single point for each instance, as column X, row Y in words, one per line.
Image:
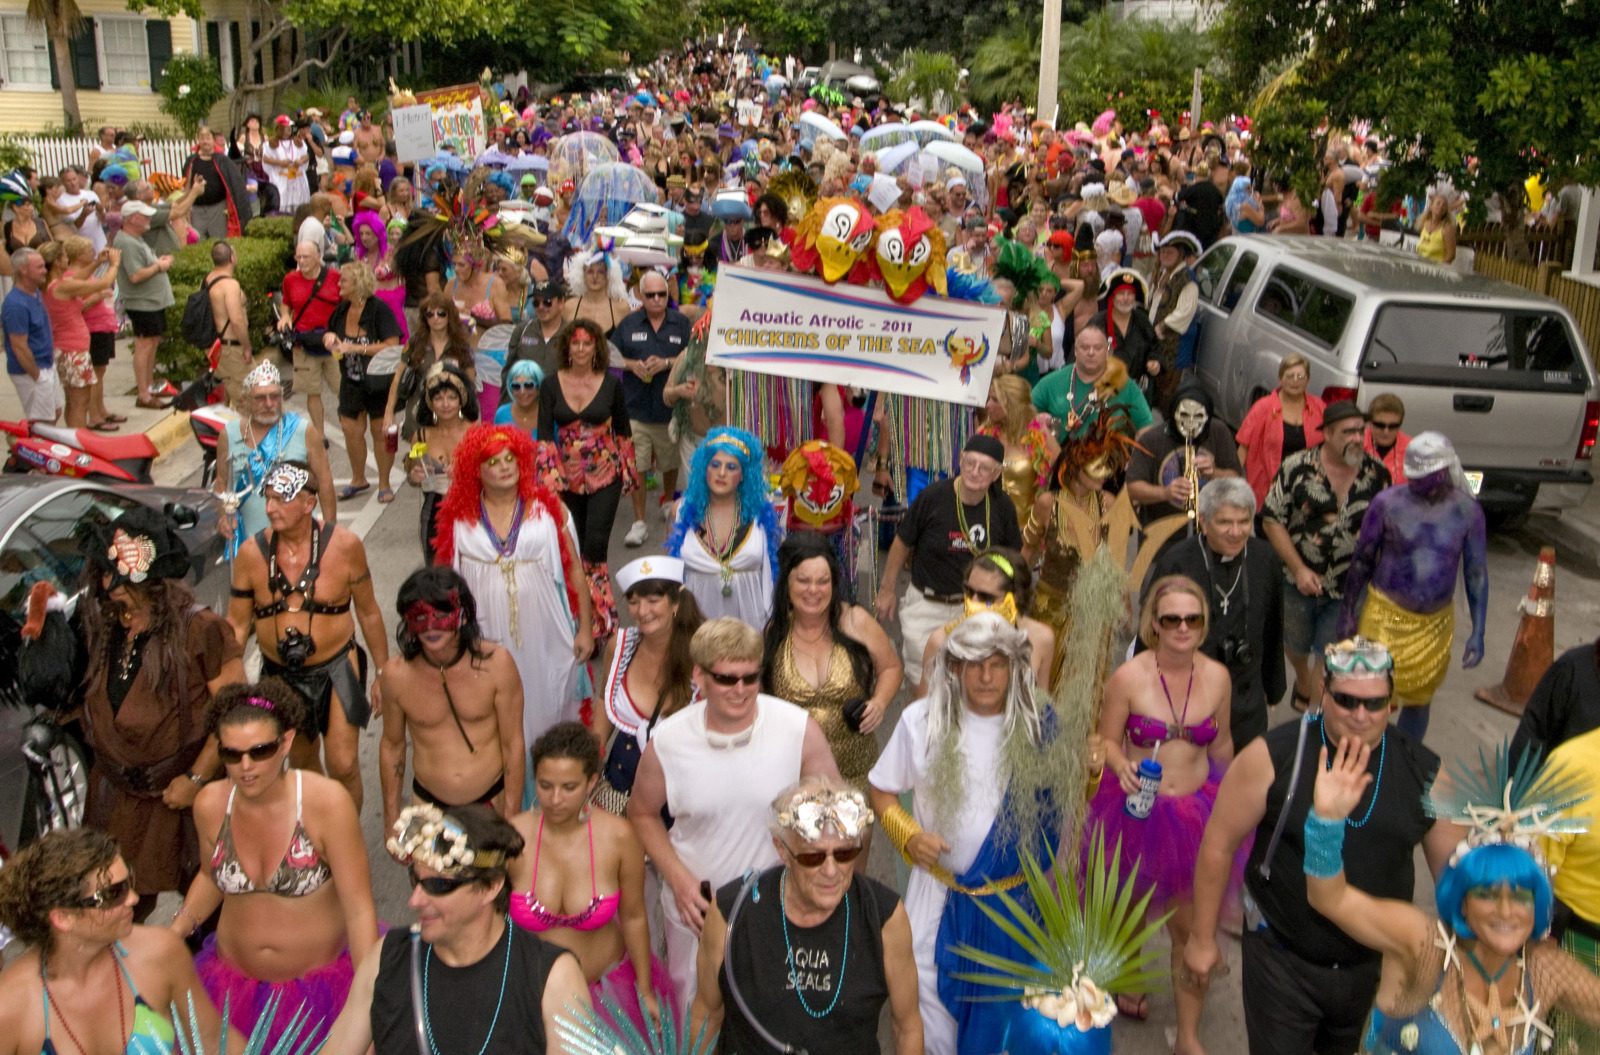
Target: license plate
column 1474, row 483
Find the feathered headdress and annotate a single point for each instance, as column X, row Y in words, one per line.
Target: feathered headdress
column 1108, row 435
column 463, row 221
column 797, row 190
column 908, row 257
column 1017, row 264
column 1501, row 804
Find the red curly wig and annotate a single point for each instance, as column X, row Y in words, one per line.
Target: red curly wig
column 464, row 499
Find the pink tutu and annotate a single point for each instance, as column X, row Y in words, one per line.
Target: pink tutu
column 323, row 992
column 620, row 984
column 1166, row 844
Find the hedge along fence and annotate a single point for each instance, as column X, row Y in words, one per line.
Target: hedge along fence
column 262, row 257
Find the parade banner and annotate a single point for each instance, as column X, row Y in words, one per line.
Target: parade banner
column 413, row 132
column 458, row 118
column 794, row 325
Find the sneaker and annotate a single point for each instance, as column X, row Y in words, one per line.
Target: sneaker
column 636, row 534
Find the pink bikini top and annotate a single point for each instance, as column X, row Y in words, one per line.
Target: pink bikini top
column 529, row 914
column 1148, row 732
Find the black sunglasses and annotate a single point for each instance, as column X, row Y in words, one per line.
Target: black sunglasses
column 1194, row 621
column 437, row 886
column 655, row 296
column 545, row 302
column 523, row 386
column 109, row 896
column 436, row 313
column 730, row 680
column 232, row 756
column 1386, row 426
column 815, row 858
column 982, row 595
column 1349, row 701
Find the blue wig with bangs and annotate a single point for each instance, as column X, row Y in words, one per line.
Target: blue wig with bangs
column 1493, row 865
column 755, row 495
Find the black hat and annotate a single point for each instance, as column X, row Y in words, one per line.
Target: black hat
column 1338, row 410
column 982, row 444
column 138, row 546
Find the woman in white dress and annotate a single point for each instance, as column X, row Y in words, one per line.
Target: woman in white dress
column 285, row 158
column 727, row 530
column 513, row 542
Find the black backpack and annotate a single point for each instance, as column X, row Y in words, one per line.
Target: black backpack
column 199, row 325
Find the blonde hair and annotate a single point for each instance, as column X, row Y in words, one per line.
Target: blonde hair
column 729, row 639
column 1016, row 397
column 1292, row 360
column 76, row 246
column 362, row 280
column 1163, row 587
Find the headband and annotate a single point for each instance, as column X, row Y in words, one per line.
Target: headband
column 999, row 560
column 425, row 835
column 286, row 481
column 810, row 813
column 264, row 374
column 731, row 441
column 261, row 702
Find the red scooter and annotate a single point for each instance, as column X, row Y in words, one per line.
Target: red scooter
column 81, row 453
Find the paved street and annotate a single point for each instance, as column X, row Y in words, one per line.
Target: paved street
column 1460, row 724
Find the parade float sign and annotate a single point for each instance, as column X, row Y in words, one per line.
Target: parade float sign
column 458, row 118
column 795, row 325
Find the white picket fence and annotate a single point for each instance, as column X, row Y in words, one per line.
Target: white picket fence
column 51, row 155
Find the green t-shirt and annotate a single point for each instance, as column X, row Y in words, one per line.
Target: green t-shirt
column 155, row 292
column 161, row 237
column 1063, row 393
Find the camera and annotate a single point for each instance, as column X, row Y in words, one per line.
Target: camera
column 295, row 647
column 1236, row 652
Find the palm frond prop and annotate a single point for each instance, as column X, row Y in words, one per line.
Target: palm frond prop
column 1091, row 932
column 587, row 1032
column 299, row 1038
column 1501, row 802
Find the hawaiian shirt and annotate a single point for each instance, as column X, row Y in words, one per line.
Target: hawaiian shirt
column 1323, row 531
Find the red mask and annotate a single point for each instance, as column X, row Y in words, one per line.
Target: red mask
column 422, row 618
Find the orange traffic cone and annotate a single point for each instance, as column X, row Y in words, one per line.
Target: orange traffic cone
column 1534, row 648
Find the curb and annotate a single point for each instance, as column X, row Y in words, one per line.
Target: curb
column 1575, row 541
column 170, row 433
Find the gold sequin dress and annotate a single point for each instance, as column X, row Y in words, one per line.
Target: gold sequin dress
column 854, row 752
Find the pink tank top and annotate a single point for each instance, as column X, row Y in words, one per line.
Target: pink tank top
column 68, row 330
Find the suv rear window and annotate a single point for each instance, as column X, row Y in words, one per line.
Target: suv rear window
column 1301, row 304
column 1459, row 345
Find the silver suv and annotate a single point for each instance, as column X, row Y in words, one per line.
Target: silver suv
column 1503, row 372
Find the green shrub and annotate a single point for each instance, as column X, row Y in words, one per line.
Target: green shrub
column 279, row 227
column 191, row 85
column 262, row 258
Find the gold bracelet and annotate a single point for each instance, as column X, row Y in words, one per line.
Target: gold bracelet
column 900, row 826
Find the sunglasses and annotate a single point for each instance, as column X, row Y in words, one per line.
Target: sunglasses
column 728, row 681
column 815, row 858
column 655, row 296
column 545, row 302
column 982, row 596
column 112, row 895
column 1194, row 621
column 437, row 886
column 436, row 313
column 1386, row 426
column 524, row 386
column 1349, row 701
column 232, row 756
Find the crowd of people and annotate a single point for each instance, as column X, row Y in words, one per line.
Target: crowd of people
column 682, row 797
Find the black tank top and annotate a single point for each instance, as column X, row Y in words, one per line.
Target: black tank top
column 1377, row 855
column 461, row 1000
column 815, row 961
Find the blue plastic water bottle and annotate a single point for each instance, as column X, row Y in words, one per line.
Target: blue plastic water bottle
column 1141, row 802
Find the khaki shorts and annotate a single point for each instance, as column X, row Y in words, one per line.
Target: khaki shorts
column 231, row 370
column 42, row 400
column 651, row 444
column 312, row 372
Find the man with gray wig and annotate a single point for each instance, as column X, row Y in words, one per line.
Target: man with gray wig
column 989, row 767
column 1240, row 575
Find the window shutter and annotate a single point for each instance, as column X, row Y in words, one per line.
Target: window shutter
column 214, row 43
column 158, row 35
column 85, row 59
column 238, row 51
column 55, row 74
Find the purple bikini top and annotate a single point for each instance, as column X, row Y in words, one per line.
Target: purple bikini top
column 1148, row 732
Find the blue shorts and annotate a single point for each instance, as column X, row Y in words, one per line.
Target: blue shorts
column 1309, row 623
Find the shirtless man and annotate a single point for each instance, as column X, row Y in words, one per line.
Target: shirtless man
column 293, row 584
column 465, row 718
column 369, row 140
column 1412, row 540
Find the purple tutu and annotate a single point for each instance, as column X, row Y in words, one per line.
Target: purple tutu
column 621, row 985
column 323, row 992
column 1166, row 844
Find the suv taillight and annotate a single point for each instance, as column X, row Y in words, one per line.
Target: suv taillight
column 1333, row 393
column 1591, row 428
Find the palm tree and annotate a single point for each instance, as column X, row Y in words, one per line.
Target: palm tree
column 62, row 21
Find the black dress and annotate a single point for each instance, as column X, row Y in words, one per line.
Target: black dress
column 1135, row 345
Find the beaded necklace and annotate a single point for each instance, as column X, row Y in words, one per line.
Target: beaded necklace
column 508, row 547
column 961, row 519
column 122, row 1017
column 427, row 1019
column 722, row 552
column 844, row 960
column 1377, row 785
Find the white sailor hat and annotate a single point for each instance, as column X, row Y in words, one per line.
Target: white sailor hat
column 634, row 572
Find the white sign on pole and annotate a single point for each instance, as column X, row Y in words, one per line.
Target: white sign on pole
column 794, row 325
column 413, row 132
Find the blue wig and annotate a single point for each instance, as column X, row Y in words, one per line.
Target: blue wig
column 505, row 182
column 1493, row 865
column 755, row 496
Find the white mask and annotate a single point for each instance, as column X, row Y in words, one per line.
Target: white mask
column 1190, row 417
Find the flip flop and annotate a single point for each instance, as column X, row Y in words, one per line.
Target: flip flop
column 150, row 404
column 349, row 491
column 386, row 495
column 103, row 426
column 115, row 419
column 1137, row 1008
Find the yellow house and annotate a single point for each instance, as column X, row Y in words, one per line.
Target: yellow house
column 116, row 61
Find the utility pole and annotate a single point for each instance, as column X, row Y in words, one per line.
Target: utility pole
column 1050, row 61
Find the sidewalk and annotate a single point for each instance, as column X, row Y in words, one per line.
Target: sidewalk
column 1575, row 532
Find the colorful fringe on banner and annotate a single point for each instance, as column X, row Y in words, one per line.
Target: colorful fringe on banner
column 926, row 434
column 776, row 410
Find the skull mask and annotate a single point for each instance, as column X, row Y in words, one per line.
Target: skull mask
column 1190, row 417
